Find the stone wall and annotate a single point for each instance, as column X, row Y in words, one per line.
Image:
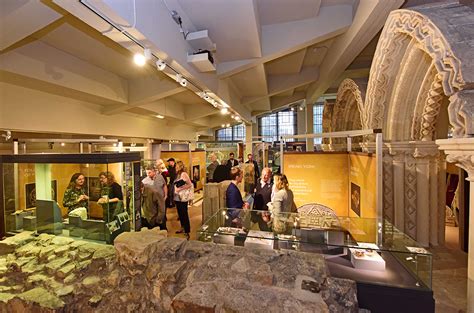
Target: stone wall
column 149, row 272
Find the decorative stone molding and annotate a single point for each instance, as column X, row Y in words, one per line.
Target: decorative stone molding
column 431, row 109
column 412, row 24
column 388, row 212
column 410, row 196
column 423, row 149
column 461, row 152
column 461, row 113
column 349, row 105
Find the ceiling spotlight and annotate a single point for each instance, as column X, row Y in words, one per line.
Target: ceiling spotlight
column 181, row 80
column 292, row 109
column 224, row 111
column 227, row 125
column 223, row 125
column 237, row 118
column 139, row 59
column 160, row 116
column 225, row 105
column 301, row 108
column 232, row 116
column 62, row 144
column 160, row 64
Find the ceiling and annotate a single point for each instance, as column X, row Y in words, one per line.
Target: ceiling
column 269, row 53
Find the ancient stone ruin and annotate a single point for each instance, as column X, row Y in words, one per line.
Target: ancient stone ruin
column 146, row 271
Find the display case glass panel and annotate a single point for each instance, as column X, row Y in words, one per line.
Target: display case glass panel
column 88, row 196
column 349, row 244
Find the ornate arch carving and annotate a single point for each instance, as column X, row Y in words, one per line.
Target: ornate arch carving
column 430, row 39
column 347, row 114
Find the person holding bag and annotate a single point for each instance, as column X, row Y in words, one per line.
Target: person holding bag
column 183, row 193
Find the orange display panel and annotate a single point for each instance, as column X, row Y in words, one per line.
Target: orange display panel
column 319, row 178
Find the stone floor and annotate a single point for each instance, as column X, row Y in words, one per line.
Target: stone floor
column 450, row 275
column 449, row 264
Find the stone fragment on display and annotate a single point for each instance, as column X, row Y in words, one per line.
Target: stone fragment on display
column 64, row 291
column 42, row 297
column 150, row 272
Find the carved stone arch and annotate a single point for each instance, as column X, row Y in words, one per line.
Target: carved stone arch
column 403, row 25
column 347, row 112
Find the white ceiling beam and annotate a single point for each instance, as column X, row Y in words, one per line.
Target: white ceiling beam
column 44, row 63
column 281, row 83
column 280, row 39
column 195, row 112
column 166, row 107
column 278, row 102
column 369, row 19
column 145, row 90
column 19, row 19
column 165, row 41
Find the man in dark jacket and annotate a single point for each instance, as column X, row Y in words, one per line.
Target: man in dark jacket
column 153, row 208
column 263, row 194
column 172, row 176
column 232, row 162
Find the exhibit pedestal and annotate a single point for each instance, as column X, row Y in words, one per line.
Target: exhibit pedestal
column 365, row 260
column 259, row 240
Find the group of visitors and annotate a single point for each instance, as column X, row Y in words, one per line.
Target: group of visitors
column 169, row 186
column 218, row 172
column 111, row 196
column 163, row 188
column 271, row 201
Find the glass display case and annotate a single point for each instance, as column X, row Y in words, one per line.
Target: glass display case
column 348, row 244
column 88, row 196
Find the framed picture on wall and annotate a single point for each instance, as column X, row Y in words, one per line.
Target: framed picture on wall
column 30, row 193
column 355, row 198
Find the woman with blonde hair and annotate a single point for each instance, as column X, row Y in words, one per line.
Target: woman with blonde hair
column 182, row 183
column 282, row 204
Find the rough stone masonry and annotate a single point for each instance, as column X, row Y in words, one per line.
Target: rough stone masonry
column 148, row 272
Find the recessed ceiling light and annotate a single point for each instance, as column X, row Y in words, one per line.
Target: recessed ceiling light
column 224, row 111
column 227, row 125
column 159, row 116
column 223, row 125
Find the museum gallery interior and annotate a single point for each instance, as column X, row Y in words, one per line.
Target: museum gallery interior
column 236, row 156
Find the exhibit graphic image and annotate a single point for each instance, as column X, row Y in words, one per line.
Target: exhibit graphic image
column 30, row 192
column 355, row 198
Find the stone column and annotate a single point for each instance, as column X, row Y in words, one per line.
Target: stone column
column 399, row 152
column 414, row 189
column 426, row 153
column 461, row 152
